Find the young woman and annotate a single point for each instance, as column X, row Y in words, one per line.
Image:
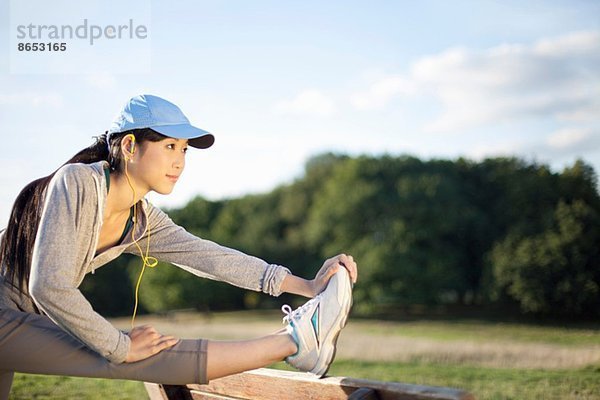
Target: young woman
column 91, row 210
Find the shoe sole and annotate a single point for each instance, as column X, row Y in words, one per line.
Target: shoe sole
column 343, row 321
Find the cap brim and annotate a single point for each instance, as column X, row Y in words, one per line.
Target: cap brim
column 197, row 137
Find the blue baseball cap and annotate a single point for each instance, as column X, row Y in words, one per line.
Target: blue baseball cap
column 162, row 116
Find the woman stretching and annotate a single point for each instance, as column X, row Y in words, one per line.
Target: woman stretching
column 91, row 210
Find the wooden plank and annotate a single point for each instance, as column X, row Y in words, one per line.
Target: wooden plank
column 270, row 384
column 212, row 396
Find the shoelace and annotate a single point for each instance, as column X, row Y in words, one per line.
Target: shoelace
column 298, row 312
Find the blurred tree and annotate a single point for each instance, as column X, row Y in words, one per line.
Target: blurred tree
column 424, row 232
column 558, row 271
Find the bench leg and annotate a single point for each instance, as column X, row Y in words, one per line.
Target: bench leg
column 364, row 394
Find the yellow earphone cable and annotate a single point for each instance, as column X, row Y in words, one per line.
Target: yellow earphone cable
column 150, row 262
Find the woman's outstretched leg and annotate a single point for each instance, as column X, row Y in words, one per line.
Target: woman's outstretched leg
column 32, row 343
column 231, row 357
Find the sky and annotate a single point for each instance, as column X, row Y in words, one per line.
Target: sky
column 277, row 82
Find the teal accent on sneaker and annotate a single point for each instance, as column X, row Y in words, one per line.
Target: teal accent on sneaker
column 315, row 322
column 292, row 333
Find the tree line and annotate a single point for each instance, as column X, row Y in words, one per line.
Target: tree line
column 499, row 232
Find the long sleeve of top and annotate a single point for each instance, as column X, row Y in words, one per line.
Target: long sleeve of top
column 65, row 250
column 172, row 243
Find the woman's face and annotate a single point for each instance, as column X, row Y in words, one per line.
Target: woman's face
column 158, row 165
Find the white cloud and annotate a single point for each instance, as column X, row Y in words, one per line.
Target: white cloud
column 561, row 145
column 572, row 142
column 31, row 99
column 382, row 91
column 308, row 102
column 554, row 77
column 499, row 149
column 582, row 114
column 573, row 43
column 568, row 137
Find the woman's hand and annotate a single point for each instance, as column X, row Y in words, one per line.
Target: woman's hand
column 329, row 268
column 146, row 342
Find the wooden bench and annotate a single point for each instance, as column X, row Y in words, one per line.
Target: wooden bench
column 270, row 384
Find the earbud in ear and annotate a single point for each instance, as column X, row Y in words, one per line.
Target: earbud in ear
column 132, row 146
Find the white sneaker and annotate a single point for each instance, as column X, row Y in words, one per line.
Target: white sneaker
column 316, row 325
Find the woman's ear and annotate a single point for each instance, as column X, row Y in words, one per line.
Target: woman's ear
column 128, row 147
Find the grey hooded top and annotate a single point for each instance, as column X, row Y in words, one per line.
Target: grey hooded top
column 65, row 251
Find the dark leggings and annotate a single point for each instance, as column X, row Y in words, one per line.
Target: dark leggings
column 32, row 343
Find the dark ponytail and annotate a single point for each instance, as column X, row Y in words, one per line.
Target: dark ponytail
column 19, row 238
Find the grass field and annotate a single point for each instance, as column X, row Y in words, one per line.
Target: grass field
column 491, row 360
